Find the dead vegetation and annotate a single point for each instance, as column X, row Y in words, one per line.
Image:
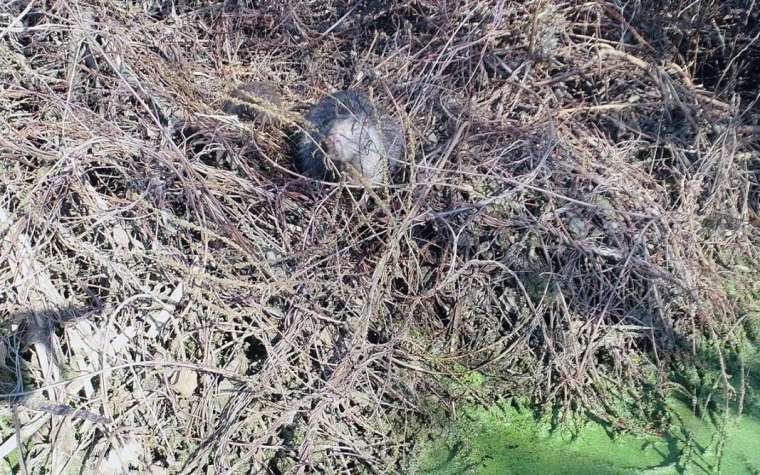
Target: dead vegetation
column 583, row 182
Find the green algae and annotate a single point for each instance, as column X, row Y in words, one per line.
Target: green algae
column 703, row 433
column 710, row 422
column 508, row 440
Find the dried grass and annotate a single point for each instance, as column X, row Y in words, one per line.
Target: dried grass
column 178, row 301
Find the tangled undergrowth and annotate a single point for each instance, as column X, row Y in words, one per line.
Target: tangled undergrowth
column 581, row 184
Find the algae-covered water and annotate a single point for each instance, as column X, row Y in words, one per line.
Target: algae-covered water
column 724, row 439
column 505, row 440
column 510, row 439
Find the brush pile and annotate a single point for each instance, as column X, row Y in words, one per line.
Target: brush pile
column 581, row 184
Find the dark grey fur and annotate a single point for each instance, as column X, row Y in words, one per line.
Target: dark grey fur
column 310, row 157
column 254, row 101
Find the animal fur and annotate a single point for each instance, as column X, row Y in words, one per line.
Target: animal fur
column 348, row 131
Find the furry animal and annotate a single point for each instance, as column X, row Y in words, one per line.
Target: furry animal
column 256, row 101
column 347, row 130
column 343, row 136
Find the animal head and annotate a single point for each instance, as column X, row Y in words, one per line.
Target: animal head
column 347, row 131
column 356, row 142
